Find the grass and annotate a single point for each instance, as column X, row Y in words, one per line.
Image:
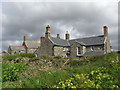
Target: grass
column 44, row 72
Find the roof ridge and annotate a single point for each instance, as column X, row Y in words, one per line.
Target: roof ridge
column 51, row 40
column 16, row 46
column 59, row 38
column 87, row 37
column 32, row 41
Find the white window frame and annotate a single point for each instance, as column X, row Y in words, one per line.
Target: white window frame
column 64, row 49
column 92, row 48
column 78, row 51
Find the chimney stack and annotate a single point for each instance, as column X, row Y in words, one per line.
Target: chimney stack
column 67, row 36
column 58, row 35
column 42, row 39
column 105, row 28
column 24, row 38
column 47, row 33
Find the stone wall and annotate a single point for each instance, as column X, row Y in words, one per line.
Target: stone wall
column 60, row 51
column 16, row 52
column 107, row 48
column 29, row 50
column 94, row 48
column 46, row 48
column 84, row 49
column 73, row 49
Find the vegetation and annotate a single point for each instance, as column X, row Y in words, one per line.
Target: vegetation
column 27, row 71
column 13, row 57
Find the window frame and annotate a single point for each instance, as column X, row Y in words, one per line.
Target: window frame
column 78, row 51
column 92, row 48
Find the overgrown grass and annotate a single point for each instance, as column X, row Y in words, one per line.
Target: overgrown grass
column 13, row 57
column 44, row 72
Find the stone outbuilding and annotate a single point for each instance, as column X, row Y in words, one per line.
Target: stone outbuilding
column 16, row 49
column 30, row 46
column 26, row 47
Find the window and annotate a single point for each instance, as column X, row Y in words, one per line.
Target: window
column 92, row 48
column 64, row 49
column 78, row 51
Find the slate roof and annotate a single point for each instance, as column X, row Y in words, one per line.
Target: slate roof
column 32, row 44
column 60, row 42
column 93, row 53
column 95, row 40
column 19, row 48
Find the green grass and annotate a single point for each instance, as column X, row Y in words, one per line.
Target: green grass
column 0, row 75
column 14, row 57
column 42, row 75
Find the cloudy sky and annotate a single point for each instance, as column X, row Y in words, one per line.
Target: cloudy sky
column 80, row 19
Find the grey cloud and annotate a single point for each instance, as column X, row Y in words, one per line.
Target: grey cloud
column 80, row 19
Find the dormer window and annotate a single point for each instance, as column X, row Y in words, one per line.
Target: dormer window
column 78, row 51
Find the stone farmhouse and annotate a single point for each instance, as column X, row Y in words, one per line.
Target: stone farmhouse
column 26, row 47
column 55, row 46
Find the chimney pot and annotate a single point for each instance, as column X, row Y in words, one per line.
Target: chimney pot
column 105, row 28
column 58, row 35
column 42, row 39
column 24, row 38
column 47, row 33
column 48, row 27
column 67, row 36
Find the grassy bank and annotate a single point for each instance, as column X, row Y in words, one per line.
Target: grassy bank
column 28, row 71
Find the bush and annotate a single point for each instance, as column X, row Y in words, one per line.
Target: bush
column 35, row 59
column 58, row 57
column 75, row 63
column 100, row 78
column 10, row 57
column 10, row 72
column 29, row 55
column 13, row 57
column 95, row 79
column 42, row 80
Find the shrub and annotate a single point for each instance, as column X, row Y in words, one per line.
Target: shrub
column 10, row 57
column 10, row 72
column 42, row 80
column 57, row 57
column 95, row 79
column 46, row 58
column 35, row 59
column 29, row 55
column 76, row 63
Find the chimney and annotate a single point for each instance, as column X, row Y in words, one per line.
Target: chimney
column 105, row 28
column 24, row 38
column 58, row 35
column 47, row 33
column 67, row 36
column 42, row 39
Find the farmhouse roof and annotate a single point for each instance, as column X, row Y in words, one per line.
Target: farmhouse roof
column 95, row 40
column 17, row 48
column 59, row 42
column 31, row 44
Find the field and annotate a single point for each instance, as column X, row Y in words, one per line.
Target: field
column 28, row 71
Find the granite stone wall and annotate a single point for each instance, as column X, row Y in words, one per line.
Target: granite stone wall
column 73, row 49
column 46, row 48
column 31, row 50
column 60, row 51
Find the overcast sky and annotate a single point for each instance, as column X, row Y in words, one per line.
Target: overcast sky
column 80, row 19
